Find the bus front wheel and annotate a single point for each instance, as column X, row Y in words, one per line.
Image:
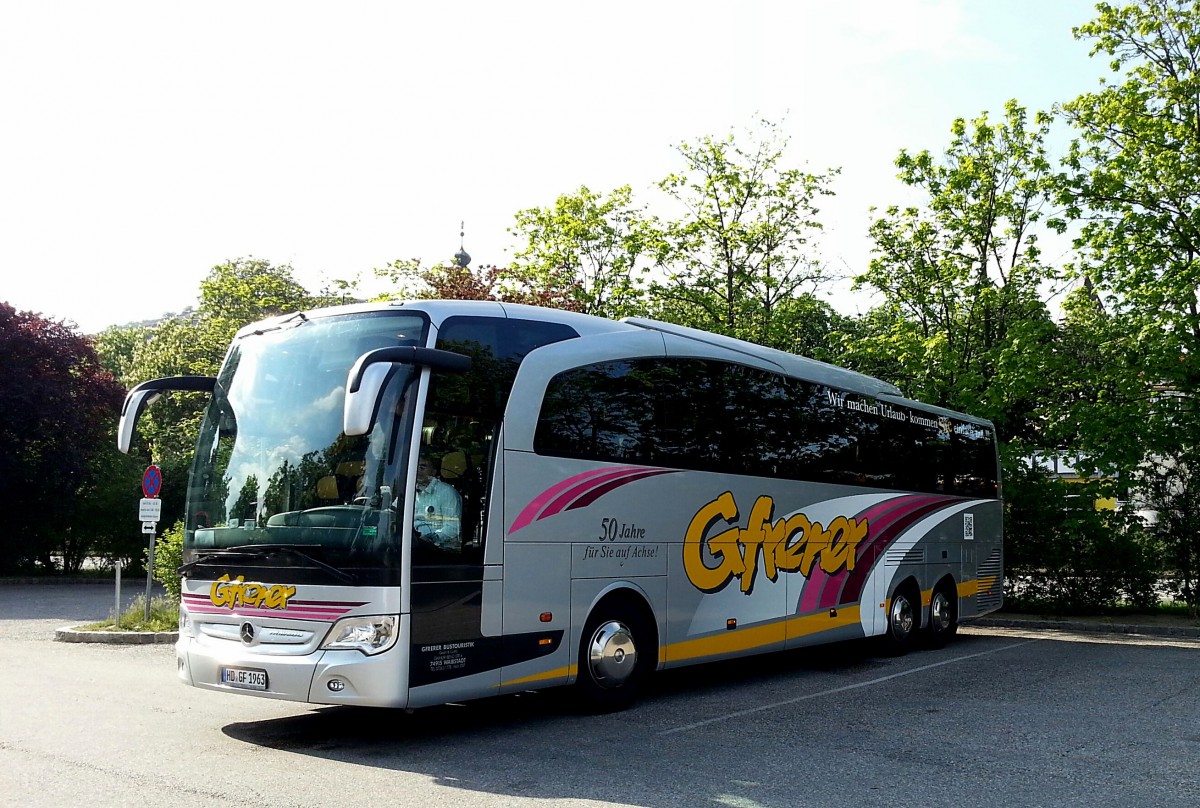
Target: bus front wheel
column 615, row 653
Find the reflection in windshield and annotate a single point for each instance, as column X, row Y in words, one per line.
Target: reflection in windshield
column 272, row 463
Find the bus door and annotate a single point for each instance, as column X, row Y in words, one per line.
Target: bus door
column 450, row 656
column 457, row 642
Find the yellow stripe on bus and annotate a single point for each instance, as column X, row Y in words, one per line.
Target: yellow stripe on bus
column 760, row 636
column 557, row 673
column 969, row 589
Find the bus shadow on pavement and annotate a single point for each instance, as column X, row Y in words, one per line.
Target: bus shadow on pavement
column 336, row 731
column 537, row 745
column 328, row 731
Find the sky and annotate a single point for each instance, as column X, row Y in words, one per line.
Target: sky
column 141, row 143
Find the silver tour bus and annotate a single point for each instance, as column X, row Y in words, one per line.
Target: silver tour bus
column 405, row 504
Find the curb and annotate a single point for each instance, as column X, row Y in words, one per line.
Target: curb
column 1192, row 632
column 72, row 634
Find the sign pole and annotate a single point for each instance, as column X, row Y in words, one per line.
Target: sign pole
column 117, row 604
column 149, row 573
column 150, row 511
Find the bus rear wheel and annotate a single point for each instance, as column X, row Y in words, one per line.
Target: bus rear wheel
column 616, row 653
column 943, row 616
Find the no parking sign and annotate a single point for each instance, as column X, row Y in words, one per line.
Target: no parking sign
column 152, row 481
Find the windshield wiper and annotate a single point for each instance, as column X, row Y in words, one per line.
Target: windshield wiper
column 292, row 320
column 266, row 551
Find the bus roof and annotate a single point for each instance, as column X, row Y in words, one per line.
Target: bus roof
column 792, row 364
column 587, row 325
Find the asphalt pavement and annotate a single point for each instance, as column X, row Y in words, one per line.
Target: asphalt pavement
column 1019, row 716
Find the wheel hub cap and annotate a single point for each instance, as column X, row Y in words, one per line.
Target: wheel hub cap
column 612, row 655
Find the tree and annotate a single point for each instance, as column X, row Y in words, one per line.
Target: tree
column 104, row 521
column 116, row 347
column 233, row 294
column 593, row 246
column 57, row 417
column 1101, row 404
column 247, row 289
column 962, row 323
column 184, row 346
column 454, row 282
column 743, row 250
column 1133, row 177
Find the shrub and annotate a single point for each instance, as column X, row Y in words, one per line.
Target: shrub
column 168, row 556
column 1066, row 556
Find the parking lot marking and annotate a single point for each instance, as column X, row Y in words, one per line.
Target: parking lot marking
column 832, row 691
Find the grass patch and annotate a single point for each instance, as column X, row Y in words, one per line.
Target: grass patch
column 164, row 616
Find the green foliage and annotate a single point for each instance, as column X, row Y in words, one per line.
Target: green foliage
column 176, row 347
column 233, row 295
column 1101, row 402
column 1065, row 555
column 1134, row 177
column 168, row 557
column 1172, row 491
column 744, row 250
column 164, row 616
column 116, row 347
column 247, row 289
column 590, row 247
column 962, row 322
column 105, row 522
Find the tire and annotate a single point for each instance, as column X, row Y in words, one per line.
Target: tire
column 616, row 654
column 943, row 616
column 904, row 618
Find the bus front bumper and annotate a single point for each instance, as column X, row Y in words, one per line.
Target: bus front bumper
column 322, row 677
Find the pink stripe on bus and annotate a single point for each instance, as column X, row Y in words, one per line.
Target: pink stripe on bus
column 601, row 490
column 530, row 512
column 561, row 503
column 286, row 614
column 879, row 518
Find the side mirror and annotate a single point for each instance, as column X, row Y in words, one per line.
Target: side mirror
column 146, row 393
column 370, row 374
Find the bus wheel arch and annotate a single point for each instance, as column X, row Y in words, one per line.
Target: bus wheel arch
column 618, row 649
column 943, row 613
column 903, row 617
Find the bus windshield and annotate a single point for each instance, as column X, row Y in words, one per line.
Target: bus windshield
column 273, row 467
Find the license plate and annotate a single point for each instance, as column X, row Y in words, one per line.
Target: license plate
column 248, row 678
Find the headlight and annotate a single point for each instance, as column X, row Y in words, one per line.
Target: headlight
column 371, row 635
column 185, row 622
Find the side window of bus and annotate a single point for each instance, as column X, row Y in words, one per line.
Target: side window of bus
column 668, row 412
column 462, row 422
column 978, row 475
column 705, row 415
column 601, row 411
